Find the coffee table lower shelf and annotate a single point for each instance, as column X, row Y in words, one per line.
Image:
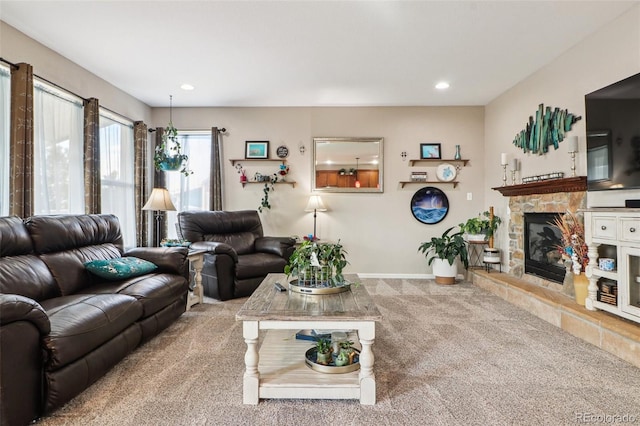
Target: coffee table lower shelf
column 284, row 373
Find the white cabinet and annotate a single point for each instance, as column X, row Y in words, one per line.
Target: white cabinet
column 614, row 233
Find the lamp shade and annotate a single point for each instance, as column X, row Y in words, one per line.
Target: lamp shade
column 159, row 200
column 315, row 204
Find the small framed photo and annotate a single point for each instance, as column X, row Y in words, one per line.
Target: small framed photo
column 430, row 150
column 256, row 149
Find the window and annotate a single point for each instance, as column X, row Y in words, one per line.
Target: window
column 58, row 151
column 5, row 116
column 117, row 173
column 191, row 192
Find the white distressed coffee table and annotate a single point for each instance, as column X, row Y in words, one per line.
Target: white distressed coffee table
column 277, row 368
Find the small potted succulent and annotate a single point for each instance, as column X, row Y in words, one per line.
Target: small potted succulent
column 323, row 351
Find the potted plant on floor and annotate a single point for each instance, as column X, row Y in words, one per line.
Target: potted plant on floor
column 442, row 252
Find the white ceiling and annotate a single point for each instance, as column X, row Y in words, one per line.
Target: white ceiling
column 310, row 53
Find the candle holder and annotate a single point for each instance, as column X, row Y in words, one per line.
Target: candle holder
column 513, row 177
column 573, row 163
column 504, row 175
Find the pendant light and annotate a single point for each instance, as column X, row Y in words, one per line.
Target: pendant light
column 357, row 181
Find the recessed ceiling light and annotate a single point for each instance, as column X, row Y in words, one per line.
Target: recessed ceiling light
column 187, row 86
column 442, row 85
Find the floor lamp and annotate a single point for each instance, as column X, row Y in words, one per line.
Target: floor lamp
column 159, row 201
column 315, row 205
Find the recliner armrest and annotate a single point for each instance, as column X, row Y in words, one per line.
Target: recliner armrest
column 280, row 246
column 167, row 259
column 216, row 248
column 14, row 307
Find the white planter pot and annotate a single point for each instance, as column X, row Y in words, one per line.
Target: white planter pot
column 445, row 273
column 476, row 237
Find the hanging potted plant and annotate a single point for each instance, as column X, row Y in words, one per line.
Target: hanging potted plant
column 441, row 252
column 268, row 187
column 168, row 155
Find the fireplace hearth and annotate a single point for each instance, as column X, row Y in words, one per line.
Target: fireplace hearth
column 541, row 241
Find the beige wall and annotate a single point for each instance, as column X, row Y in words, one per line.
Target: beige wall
column 15, row 47
column 609, row 55
column 378, row 230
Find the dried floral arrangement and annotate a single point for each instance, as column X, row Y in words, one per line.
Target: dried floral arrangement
column 573, row 245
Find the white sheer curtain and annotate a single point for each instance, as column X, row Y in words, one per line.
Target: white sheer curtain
column 117, row 173
column 5, row 116
column 58, row 160
column 190, row 192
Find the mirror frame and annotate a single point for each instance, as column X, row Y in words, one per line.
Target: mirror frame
column 319, row 140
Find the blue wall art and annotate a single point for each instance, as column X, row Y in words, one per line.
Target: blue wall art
column 429, row 205
column 546, row 129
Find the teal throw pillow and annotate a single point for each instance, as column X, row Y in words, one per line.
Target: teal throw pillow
column 120, row 267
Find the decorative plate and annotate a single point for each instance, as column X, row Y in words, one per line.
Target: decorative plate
column 282, row 151
column 446, row 172
column 429, row 205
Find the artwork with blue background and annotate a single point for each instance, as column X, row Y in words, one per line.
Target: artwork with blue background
column 429, row 205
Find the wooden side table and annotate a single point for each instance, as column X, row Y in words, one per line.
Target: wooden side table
column 195, row 296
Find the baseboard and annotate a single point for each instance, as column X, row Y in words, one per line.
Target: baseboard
column 402, row 276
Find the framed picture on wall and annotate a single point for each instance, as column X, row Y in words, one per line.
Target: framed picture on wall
column 256, row 150
column 429, row 150
column 429, row 205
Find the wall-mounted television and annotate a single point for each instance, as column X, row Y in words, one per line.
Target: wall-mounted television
column 613, row 137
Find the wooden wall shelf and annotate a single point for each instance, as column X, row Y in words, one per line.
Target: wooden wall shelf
column 427, row 182
column 437, row 161
column 571, row 184
column 286, row 182
column 248, row 160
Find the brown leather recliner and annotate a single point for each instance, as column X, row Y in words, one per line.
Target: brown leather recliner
column 239, row 255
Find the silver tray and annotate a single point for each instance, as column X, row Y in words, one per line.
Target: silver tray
column 312, row 354
column 293, row 286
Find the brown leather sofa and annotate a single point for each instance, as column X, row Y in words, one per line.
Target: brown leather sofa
column 239, row 255
column 62, row 327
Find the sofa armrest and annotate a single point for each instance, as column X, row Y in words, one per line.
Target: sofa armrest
column 216, row 248
column 280, row 246
column 168, row 259
column 14, row 307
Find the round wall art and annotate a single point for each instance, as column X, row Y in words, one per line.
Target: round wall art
column 429, row 205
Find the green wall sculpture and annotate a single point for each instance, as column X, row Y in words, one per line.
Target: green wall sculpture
column 548, row 128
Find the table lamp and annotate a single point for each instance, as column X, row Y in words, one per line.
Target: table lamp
column 315, row 205
column 159, row 201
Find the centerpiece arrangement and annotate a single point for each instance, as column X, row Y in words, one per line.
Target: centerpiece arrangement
column 343, row 358
column 317, row 268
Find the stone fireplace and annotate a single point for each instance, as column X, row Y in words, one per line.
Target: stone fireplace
column 553, row 196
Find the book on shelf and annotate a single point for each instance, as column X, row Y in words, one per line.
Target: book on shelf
column 418, row 176
column 312, row 335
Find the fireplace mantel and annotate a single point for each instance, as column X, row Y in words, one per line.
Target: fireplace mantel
column 571, row 184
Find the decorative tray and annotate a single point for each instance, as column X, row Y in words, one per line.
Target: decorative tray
column 293, row 286
column 311, row 356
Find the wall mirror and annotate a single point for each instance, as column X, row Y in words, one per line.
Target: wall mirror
column 347, row 164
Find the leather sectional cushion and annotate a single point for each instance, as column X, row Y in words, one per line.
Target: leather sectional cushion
column 81, row 323
column 120, row 267
column 258, row 264
column 153, row 291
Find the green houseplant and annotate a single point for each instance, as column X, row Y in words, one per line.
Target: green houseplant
column 168, row 155
column 323, row 351
column 318, row 264
column 441, row 252
column 484, row 224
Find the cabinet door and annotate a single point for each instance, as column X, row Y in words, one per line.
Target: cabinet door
column 629, row 283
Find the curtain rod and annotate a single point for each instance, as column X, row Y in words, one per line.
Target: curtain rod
column 11, row 64
column 118, row 114
column 59, row 87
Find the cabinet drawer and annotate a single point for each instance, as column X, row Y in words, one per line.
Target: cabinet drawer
column 604, row 227
column 630, row 229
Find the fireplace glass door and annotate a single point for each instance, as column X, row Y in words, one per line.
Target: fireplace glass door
column 542, row 240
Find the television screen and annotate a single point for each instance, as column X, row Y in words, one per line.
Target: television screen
column 613, row 136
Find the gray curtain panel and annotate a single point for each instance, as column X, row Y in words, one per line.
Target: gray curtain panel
column 141, row 188
column 21, row 143
column 92, row 191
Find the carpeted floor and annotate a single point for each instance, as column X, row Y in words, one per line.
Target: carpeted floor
column 445, row 355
